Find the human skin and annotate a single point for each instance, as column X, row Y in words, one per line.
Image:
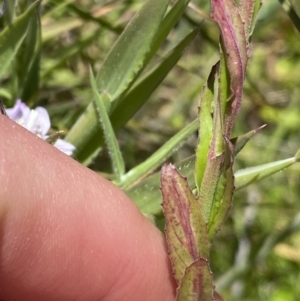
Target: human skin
column 68, row 234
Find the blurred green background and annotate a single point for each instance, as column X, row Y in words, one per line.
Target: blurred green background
column 256, row 256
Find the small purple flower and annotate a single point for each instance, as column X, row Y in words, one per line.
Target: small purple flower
column 37, row 121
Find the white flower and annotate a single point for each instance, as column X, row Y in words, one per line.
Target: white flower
column 37, row 121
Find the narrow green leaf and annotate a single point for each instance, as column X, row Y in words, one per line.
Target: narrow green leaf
column 222, row 201
column 110, row 138
column 140, row 92
column 12, row 37
column 28, row 64
column 209, row 184
column 209, row 195
column 205, row 126
column 170, row 20
column 147, row 197
column 197, row 283
column 186, row 230
column 128, row 54
column 85, row 142
column 123, row 62
column 159, row 156
column 247, row 176
column 144, row 87
column 9, row 14
column 290, row 10
column 240, row 141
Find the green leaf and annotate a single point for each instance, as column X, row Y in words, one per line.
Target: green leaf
column 12, row 37
column 145, row 86
column 28, row 61
column 205, row 126
column 9, row 14
column 160, row 156
column 129, row 52
column 147, row 196
column 102, row 105
column 291, row 11
column 123, row 62
column 142, row 90
column 186, row 230
column 222, row 202
column 240, row 141
column 85, row 141
column 197, row 283
column 247, row 176
column 215, row 155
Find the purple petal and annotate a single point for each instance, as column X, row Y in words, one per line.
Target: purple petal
column 19, row 113
column 65, row 147
column 38, row 122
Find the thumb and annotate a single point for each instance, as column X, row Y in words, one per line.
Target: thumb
column 68, row 234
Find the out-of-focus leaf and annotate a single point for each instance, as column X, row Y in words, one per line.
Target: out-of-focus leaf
column 197, row 282
column 102, row 107
column 290, row 10
column 64, row 54
column 276, row 237
column 28, row 61
column 186, row 230
column 12, row 37
column 9, row 6
column 87, row 16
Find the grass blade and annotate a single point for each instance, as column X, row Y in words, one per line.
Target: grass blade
column 110, row 138
column 159, row 156
column 123, row 62
column 85, row 143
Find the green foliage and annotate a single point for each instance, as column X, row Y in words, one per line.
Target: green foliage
column 150, row 78
column 13, row 35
